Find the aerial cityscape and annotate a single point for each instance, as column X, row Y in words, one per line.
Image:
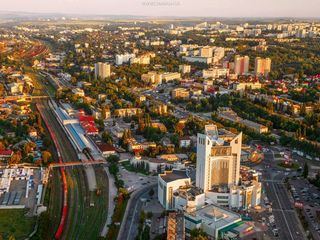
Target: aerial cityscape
column 159, row 120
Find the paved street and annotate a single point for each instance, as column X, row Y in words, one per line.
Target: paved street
column 129, row 226
column 282, row 206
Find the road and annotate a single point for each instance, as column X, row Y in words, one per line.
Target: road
column 130, row 223
column 282, row 206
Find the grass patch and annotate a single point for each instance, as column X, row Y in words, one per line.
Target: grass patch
column 293, row 165
column 13, row 222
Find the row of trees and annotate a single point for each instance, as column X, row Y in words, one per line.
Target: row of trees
column 120, row 200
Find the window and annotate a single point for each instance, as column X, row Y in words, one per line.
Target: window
column 222, row 197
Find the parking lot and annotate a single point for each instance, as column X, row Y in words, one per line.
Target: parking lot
column 134, row 181
column 19, row 187
column 307, row 198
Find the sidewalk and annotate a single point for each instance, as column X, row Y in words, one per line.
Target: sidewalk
column 112, row 194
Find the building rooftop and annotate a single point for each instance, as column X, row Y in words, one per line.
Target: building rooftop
column 188, row 192
column 215, row 217
column 170, row 176
column 106, row 147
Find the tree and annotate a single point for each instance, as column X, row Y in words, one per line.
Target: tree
column 151, row 192
column 149, row 215
column 198, row 234
column 305, row 172
column 106, row 137
column 2, row 146
column 46, row 155
column 28, row 147
column 193, row 157
column 16, row 158
column 113, row 159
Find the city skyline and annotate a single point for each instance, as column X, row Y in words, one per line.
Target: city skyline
column 179, row 8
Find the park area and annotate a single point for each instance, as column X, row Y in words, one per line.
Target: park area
column 15, row 224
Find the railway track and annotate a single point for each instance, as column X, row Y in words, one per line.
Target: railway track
column 82, row 221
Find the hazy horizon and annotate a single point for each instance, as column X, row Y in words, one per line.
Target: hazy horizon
column 178, row 8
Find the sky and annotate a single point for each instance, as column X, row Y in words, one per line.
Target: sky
column 201, row 8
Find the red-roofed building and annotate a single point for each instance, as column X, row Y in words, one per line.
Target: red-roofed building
column 106, row 149
column 88, row 124
column 5, row 155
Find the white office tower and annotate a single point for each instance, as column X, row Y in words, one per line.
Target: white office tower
column 218, row 160
column 218, row 170
column 102, row 70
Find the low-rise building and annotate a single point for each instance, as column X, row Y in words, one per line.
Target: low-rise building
column 78, row 91
column 5, row 155
column 215, row 72
column 170, row 76
column 153, row 78
column 106, row 149
column 184, row 142
column 207, row 60
column 246, row 85
column 212, row 219
column 127, row 112
column 180, row 93
column 184, row 68
column 229, row 114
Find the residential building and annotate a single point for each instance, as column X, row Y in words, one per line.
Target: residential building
column 143, row 59
column 170, row 76
column 184, row 68
column 5, row 155
column 153, row 78
column 262, row 66
column 127, row 112
column 79, row 92
column 246, row 85
column 102, row 70
column 241, row 65
column 229, row 114
column 124, row 58
column 215, row 72
column 207, row 60
column 218, row 54
column 180, row 93
column 161, row 109
column 206, row 52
